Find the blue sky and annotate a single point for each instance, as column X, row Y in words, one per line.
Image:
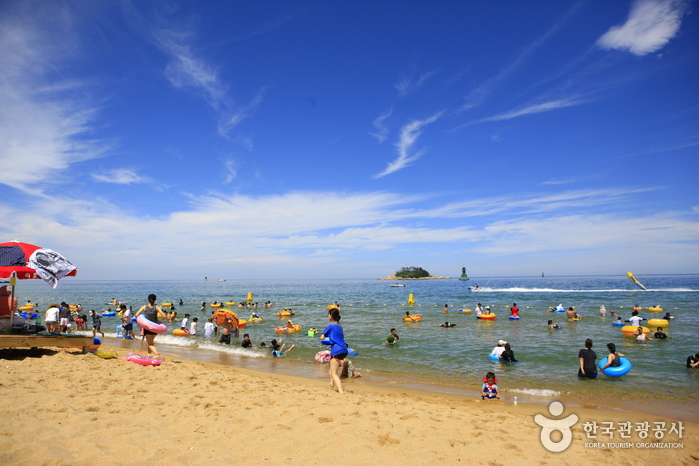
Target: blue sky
column 177, row 140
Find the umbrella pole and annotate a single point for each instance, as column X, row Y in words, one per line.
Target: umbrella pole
column 13, row 280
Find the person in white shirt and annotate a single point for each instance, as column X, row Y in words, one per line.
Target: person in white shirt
column 209, row 328
column 635, row 319
column 51, row 318
column 194, row 326
column 479, row 311
column 498, row 350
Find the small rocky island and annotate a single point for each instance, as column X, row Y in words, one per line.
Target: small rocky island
column 413, row 273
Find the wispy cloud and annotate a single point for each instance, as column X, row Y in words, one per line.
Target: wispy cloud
column 483, row 91
column 231, row 172
column 188, row 70
column 45, row 124
column 534, row 108
column 382, row 131
column 650, row 26
column 408, row 138
column 120, row 176
column 405, row 86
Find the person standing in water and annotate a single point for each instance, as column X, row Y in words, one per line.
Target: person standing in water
column 338, row 347
column 150, row 311
column 446, row 309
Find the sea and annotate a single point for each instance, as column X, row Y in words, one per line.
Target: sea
column 429, row 357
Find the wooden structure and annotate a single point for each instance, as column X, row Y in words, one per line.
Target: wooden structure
column 38, row 341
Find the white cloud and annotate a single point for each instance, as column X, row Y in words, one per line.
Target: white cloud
column 382, row 131
column 534, row 108
column 650, row 26
column 294, row 230
column 408, row 137
column 44, row 123
column 231, row 170
column 120, row 176
column 405, row 86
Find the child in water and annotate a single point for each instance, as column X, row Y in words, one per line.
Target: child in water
column 552, row 325
column 490, row 389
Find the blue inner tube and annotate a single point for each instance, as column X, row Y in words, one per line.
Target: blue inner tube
column 559, row 310
column 108, row 314
column 351, row 352
column 494, row 357
column 623, row 369
column 513, row 318
column 618, row 324
column 326, row 341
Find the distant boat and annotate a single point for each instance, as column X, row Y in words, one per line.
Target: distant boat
column 220, row 280
column 397, row 285
column 464, row 277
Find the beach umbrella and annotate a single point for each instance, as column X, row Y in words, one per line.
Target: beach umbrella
column 27, row 262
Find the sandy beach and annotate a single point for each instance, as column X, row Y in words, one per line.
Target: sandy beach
column 65, row 408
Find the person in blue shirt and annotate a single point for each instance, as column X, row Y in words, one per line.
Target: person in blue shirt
column 338, row 347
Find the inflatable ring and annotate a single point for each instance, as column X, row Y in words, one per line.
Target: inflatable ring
column 464, row 311
column 297, row 328
column 412, row 318
column 284, row 313
column 109, row 314
column 618, row 324
column 178, row 332
column 622, row 369
column 655, row 323
column 331, row 307
column 216, row 306
column 559, row 310
column 230, row 303
column 488, row 316
column 166, row 304
column 155, row 327
column 145, row 359
column 323, row 356
column 630, row 330
column 512, row 317
column 655, row 309
column 105, row 354
column 326, row 341
column 26, row 307
column 494, row 357
column 242, row 323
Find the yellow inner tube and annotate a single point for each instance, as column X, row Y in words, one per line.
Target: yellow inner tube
column 630, row 330
column 655, row 309
column 655, row 323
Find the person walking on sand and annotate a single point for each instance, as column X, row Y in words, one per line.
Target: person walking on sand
column 150, row 311
column 338, row 347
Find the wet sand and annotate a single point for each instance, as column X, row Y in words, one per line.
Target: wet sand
column 65, row 408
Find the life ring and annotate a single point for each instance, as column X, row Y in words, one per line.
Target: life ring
column 655, row 309
column 255, row 320
column 655, row 323
column 178, row 332
column 412, row 318
column 155, row 327
column 230, row 303
column 166, row 304
column 494, row 357
column 221, row 315
column 559, row 310
column 145, row 359
column 512, row 318
column 216, row 306
column 630, row 330
column 109, row 314
column 242, row 323
column 618, row 324
column 284, row 314
column 297, row 328
column 26, row 308
column 326, row 341
column 323, row 356
column 623, row 368
column 464, row 311
column 351, row 352
column 488, row 316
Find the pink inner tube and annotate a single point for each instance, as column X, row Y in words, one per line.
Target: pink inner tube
column 145, row 359
column 154, row 327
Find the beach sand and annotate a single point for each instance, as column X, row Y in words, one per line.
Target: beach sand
column 61, row 407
